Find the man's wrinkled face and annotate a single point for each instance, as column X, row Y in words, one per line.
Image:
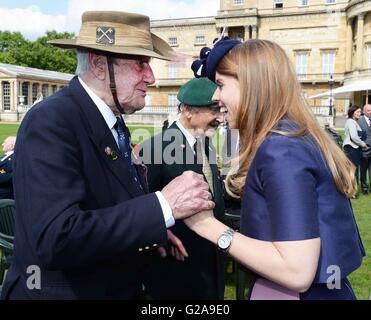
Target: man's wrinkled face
column 8, row 145
column 367, row 110
column 205, row 120
column 132, row 78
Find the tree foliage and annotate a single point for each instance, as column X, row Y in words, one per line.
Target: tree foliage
column 15, row 49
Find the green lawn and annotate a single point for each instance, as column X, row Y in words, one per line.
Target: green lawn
column 139, row 132
column 7, row 130
column 360, row 279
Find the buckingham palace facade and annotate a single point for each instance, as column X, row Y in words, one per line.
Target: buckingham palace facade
column 328, row 41
column 325, row 39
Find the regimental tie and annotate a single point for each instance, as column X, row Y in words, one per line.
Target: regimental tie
column 202, row 159
column 123, row 137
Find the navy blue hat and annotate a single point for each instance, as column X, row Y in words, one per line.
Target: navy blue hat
column 220, row 49
column 198, row 66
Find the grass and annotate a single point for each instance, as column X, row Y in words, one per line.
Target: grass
column 360, row 279
column 6, row 130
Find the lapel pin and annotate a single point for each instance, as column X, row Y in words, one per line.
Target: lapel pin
column 111, row 153
column 182, row 146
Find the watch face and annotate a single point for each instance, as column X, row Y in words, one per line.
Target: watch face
column 224, row 241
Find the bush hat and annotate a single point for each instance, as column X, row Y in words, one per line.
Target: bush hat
column 198, row 92
column 117, row 33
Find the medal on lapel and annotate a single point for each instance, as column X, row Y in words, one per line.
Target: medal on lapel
column 111, row 153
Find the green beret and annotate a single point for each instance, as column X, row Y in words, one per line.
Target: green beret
column 197, row 92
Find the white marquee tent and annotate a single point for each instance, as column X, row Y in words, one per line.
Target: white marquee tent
column 345, row 91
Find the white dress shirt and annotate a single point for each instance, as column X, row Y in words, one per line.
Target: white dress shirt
column 110, row 119
column 7, row 154
column 189, row 137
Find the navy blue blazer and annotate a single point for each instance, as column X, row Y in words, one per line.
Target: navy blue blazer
column 290, row 195
column 6, row 177
column 80, row 216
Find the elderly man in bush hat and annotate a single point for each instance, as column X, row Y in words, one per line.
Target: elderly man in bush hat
column 185, row 145
column 85, row 223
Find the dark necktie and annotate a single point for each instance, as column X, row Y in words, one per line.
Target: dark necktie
column 123, row 138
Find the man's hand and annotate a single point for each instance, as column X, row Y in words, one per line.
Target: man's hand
column 177, row 249
column 187, row 195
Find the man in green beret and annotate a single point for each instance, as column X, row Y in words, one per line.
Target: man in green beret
column 186, row 145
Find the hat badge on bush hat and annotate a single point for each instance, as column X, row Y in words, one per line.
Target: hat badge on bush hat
column 198, row 92
column 117, row 33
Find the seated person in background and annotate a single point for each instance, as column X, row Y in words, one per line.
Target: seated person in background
column 6, row 168
column 201, row 275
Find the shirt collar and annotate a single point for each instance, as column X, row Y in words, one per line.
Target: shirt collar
column 108, row 115
column 6, row 155
column 190, row 138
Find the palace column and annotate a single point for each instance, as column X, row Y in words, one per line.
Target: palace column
column 359, row 61
column 348, row 56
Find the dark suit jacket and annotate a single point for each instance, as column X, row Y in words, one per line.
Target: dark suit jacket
column 365, row 127
column 201, row 275
column 80, row 216
column 6, row 177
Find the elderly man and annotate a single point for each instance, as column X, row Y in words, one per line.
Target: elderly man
column 365, row 124
column 85, row 223
column 185, row 145
column 6, row 168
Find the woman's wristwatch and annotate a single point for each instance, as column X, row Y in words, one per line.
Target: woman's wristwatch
column 225, row 240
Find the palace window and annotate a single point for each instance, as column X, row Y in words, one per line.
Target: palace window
column 200, row 40
column 278, row 4
column 172, row 72
column 6, row 95
column 45, row 90
column 173, row 41
column 239, row 2
column 148, row 100
column 369, row 57
column 303, row 3
column 35, row 91
column 25, row 91
column 302, row 64
column 172, row 100
column 330, row 1
column 328, row 62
